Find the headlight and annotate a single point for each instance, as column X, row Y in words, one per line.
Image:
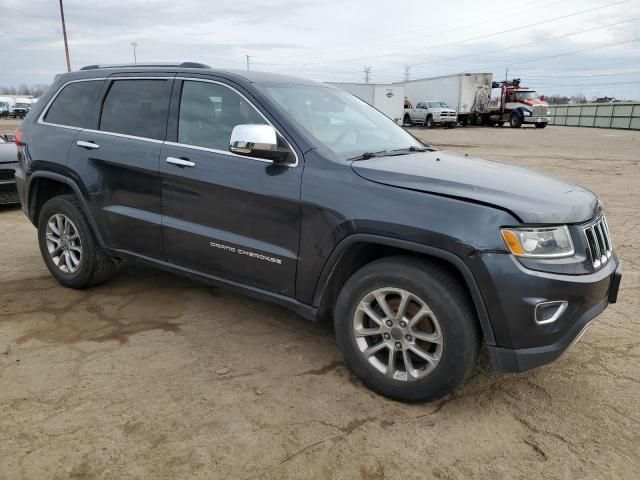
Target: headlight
column 551, row 242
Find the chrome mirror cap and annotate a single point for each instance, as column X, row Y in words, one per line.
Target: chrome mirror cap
column 259, row 141
column 245, row 138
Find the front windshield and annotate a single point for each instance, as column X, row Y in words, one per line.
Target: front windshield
column 340, row 121
column 444, row 105
column 527, row 95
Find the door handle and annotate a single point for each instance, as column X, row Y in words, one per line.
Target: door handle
column 181, row 162
column 88, row 145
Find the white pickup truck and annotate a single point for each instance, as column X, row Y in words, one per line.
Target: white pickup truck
column 430, row 114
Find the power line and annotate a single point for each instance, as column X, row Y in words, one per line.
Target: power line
column 516, row 62
column 431, row 32
column 480, row 37
column 511, row 47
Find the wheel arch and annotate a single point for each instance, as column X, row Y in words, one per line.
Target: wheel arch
column 44, row 185
column 357, row 250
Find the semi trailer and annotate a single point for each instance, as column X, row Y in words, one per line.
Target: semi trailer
column 389, row 99
column 467, row 93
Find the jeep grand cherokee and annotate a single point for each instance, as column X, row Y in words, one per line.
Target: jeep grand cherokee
column 302, row 194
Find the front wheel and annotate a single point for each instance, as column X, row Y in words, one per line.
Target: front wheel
column 68, row 246
column 406, row 122
column 515, row 121
column 407, row 329
column 429, row 123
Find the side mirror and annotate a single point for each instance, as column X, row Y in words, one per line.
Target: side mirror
column 258, row 141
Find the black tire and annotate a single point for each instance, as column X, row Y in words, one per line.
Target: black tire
column 501, row 123
column 446, row 298
column 515, row 121
column 541, row 125
column 429, row 123
column 451, row 125
column 407, row 120
column 95, row 265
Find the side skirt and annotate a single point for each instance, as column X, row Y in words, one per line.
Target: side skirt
column 306, row 311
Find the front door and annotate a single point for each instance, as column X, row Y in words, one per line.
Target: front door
column 227, row 215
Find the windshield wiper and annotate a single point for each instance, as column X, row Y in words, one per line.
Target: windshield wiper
column 404, row 151
column 367, row 155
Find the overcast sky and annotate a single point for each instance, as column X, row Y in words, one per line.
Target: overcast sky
column 595, row 53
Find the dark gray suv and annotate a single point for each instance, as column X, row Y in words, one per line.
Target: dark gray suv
column 299, row 193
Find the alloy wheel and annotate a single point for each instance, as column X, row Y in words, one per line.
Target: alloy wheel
column 398, row 334
column 63, row 243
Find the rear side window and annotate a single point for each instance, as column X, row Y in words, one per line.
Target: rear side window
column 137, row 107
column 208, row 113
column 74, row 104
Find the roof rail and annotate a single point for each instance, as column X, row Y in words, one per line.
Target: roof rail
column 143, row 65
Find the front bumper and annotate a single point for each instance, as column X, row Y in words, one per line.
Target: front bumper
column 536, row 119
column 8, row 192
column 446, row 120
column 511, row 294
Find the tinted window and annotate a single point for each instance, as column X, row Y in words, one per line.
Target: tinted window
column 136, row 107
column 74, row 104
column 208, row 113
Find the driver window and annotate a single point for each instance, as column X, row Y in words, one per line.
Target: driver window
column 208, row 113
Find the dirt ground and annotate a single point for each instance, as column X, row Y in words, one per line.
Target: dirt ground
column 152, row 376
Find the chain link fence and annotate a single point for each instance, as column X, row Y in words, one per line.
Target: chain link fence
column 600, row 115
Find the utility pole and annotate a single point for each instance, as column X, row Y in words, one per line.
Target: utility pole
column 134, row 45
column 407, row 74
column 248, row 61
column 506, row 75
column 367, row 71
column 64, row 34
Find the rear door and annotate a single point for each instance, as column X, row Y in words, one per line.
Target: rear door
column 421, row 112
column 118, row 163
column 226, row 215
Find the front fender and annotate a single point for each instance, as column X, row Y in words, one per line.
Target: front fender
column 449, row 257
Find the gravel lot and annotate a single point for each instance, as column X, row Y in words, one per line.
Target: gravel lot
column 153, row 376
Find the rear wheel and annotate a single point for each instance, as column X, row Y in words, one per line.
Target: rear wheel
column 541, row 125
column 407, row 329
column 407, row 121
column 515, row 121
column 68, row 246
column 501, row 124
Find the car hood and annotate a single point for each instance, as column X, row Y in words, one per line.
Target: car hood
column 532, row 197
column 8, row 153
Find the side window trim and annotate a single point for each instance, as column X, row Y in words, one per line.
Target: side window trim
column 224, row 152
column 41, row 120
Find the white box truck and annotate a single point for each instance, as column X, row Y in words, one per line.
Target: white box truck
column 388, row 98
column 467, row 93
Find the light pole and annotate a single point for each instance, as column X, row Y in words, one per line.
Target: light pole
column 134, row 45
column 64, row 34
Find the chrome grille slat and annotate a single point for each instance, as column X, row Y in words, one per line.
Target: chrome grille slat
column 599, row 242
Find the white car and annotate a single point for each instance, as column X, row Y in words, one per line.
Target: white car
column 431, row 114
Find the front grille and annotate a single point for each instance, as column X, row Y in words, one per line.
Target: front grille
column 599, row 242
column 540, row 111
column 7, row 175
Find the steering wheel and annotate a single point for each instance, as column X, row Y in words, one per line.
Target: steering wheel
column 344, row 134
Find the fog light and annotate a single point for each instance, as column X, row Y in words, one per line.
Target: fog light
column 549, row 312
